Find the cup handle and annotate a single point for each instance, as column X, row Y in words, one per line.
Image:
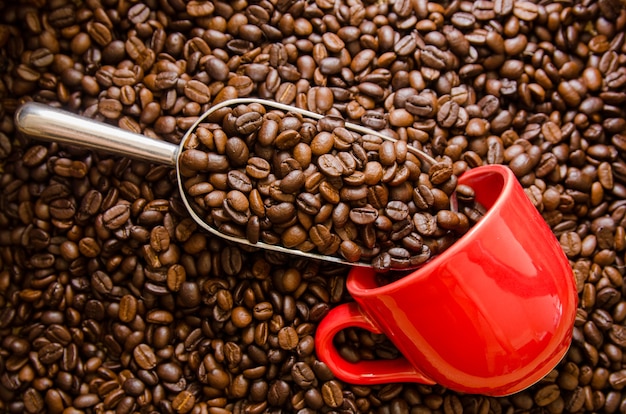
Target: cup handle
column 349, row 315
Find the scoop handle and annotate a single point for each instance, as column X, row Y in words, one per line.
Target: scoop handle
column 44, row 122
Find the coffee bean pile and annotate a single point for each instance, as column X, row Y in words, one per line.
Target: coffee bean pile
column 263, row 174
column 113, row 300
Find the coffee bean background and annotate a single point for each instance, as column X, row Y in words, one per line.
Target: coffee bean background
column 112, row 300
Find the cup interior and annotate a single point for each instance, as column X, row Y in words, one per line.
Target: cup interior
column 488, row 185
column 491, row 184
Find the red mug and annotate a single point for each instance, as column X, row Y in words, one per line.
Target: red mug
column 492, row 315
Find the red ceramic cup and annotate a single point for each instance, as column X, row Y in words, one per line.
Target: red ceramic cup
column 493, row 314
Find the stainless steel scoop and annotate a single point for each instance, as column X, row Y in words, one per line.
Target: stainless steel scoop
column 47, row 123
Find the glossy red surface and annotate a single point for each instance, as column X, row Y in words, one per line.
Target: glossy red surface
column 491, row 315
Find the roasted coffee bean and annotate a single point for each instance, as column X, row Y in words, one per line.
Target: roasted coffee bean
column 101, row 282
column 278, row 393
column 546, row 395
column 116, row 216
column 241, row 317
column 397, row 210
column 330, row 165
column 502, row 7
column 127, row 308
column 50, row 353
column 420, row 105
column 448, row 114
column 248, row 123
column 238, row 155
column 287, row 338
column 183, row 402
column 303, row 374
column 258, row 168
column 144, row 356
column 332, row 394
column 425, row 224
column 525, row 10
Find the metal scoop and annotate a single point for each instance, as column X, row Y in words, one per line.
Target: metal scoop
column 47, row 123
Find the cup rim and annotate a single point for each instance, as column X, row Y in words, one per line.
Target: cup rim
column 509, row 181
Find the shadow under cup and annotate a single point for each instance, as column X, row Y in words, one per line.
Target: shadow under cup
column 493, row 314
